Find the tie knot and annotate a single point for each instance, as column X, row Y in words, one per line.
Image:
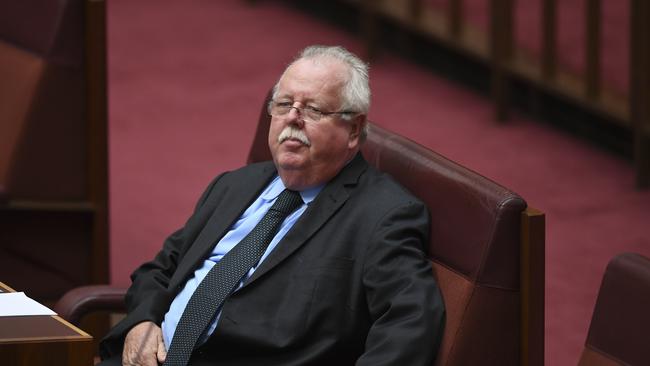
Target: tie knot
column 287, row 202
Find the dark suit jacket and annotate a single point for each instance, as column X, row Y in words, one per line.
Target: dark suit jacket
column 348, row 284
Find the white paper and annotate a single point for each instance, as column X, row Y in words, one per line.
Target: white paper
column 18, row 304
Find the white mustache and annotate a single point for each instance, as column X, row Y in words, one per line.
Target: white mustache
column 290, row 132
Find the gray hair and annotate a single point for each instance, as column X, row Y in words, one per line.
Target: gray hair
column 356, row 91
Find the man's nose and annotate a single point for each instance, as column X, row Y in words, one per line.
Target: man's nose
column 295, row 116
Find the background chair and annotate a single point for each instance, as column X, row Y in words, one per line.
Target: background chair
column 53, row 146
column 487, row 252
column 618, row 333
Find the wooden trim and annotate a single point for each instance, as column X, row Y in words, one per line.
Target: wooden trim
column 474, row 43
column 97, row 121
column 82, row 336
column 6, row 288
column 369, row 27
column 53, row 339
column 415, row 10
column 501, row 47
column 532, row 287
column 640, row 88
column 81, row 333
column 430, row 22
column 549, row 39
column 570, row 86
column 96, row 116
column 60, row 343
column 455, row 18
column 506, row 61
column 592, row 56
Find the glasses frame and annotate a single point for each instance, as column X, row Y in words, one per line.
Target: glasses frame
column 272, row 104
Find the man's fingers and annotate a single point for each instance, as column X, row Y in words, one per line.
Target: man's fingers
column 141, row 345
column 162, row 354
column 138, row 358
column 162, row 351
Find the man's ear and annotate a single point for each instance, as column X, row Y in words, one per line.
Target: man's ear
column 358, row 123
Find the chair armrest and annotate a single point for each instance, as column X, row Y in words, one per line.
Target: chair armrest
column 80, row 301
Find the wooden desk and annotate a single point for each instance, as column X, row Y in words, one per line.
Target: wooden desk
column 42, row 340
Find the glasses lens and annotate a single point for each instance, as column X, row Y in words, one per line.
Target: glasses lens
column 309, row 114
column 279, row 109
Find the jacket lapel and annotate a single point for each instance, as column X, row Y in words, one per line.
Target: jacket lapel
column 235, row 201
column 328, row 201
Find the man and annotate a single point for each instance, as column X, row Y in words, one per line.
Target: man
column 344, row 279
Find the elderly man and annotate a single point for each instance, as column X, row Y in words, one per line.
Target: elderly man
column 314, row 258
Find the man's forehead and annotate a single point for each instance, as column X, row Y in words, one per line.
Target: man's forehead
column 315, row 75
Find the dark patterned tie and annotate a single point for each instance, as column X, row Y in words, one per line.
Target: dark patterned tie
column 224, row 277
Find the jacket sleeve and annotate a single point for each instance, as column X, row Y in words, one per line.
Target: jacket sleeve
column 404, row 302
column 148, row 297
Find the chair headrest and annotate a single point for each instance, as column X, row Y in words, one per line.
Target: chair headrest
column 474, row 221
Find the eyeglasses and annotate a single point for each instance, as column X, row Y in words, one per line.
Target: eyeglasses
column 308, row 113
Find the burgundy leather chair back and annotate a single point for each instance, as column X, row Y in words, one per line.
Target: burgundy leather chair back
column 620, row 326
column 42, row 97
column 53, row 184
column 474, row 249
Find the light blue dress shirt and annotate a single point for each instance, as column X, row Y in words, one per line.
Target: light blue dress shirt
column 248, row 220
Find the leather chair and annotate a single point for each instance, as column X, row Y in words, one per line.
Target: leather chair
column 487, row 252
column 618, row 333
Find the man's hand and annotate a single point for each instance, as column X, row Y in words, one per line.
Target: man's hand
column 144, row 346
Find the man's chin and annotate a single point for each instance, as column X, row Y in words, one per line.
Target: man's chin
column 290, row 160
column 290, row 166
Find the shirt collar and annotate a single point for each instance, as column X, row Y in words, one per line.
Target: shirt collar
column 276, row 187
